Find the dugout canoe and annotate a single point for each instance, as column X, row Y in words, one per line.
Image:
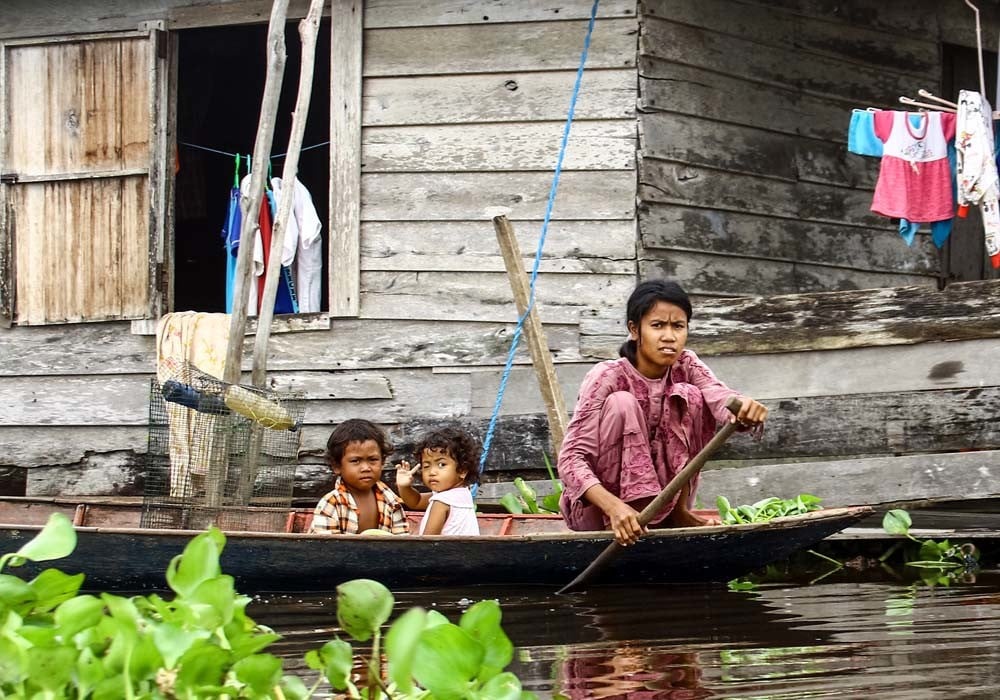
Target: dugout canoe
column 115, row 554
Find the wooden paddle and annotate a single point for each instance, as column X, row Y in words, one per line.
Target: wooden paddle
column 669, row 491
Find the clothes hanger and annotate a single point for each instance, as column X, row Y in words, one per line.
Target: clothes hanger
column 926, row 105
column 931, row 96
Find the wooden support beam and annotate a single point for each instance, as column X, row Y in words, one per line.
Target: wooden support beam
column 541, row 359
column 347, row 25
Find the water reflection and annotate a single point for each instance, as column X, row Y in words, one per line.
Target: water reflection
column 843, row 640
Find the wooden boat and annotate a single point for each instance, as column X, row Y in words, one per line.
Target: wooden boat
column 116, row 554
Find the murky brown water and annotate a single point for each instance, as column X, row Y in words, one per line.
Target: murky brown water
column 779, row 642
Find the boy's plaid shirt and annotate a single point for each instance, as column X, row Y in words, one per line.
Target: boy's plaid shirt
column 337, row 511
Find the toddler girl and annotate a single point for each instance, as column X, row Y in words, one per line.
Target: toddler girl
column 448, row 460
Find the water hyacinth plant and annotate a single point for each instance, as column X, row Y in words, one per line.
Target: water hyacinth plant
column 940, row 563
column 525, row 500
column 766, row 509
column 58, row 643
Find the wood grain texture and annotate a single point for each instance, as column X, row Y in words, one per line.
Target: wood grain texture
column 497, row 97
column 826, row 321
column 343, row 261
column 667, row 227
column 872, row 481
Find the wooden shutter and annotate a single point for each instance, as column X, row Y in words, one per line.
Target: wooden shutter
column 82, row 213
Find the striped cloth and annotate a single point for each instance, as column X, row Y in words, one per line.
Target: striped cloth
column 337, row 511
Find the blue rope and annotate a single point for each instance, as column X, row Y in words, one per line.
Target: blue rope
column 488, row 440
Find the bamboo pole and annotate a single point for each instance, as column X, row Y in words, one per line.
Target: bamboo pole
column 541, row 359
column 215, row 479
column 308, row 29
column 250, row 201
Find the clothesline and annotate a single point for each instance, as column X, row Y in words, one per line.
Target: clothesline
column 233, row 155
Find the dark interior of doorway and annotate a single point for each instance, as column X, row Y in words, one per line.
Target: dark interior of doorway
column 963, row 258
column 219, row 87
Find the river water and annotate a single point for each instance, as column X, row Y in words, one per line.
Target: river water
column 834, row 639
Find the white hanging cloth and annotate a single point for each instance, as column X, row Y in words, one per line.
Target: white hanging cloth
column 302, row 245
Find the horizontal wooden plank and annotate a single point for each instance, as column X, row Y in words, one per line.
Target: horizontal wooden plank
column 825, row 321
column 498, row 97
column 701, row 142
column 483, row 296
column 911, row 422
column 36, row 446
column 481, row 49
column 960, row 476
column 927, row 366
column 604, row 247
column 708, row 275
column 673, row 87
column 915, row 19
column 474, row 196
column 666, row 227
column 109, row 348
column 409, row 13
column 738, row 57
column 773, row 26
column 593, row 145
column 673, row 183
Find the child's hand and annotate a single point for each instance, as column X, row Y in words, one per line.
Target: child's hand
column 404, row 474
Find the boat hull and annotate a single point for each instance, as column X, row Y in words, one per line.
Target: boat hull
column 135, row 559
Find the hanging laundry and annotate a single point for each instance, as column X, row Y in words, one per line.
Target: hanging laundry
column 285, row 300
column 302, row 245
column 914, row 181
column 861, row 138
column 977, row 169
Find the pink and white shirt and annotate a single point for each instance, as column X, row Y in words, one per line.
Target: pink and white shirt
column 914, row 182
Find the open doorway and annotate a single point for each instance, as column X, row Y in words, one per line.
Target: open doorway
column 220, row 83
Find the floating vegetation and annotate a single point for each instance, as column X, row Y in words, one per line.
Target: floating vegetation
column 941, row 563
column 767, row 509
column 526, row 499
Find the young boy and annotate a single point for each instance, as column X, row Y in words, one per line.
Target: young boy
column 359, row 501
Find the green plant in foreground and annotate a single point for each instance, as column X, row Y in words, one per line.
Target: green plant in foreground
column 939, row 562
column 57, row 643
column 765, row 510
column 526, row 500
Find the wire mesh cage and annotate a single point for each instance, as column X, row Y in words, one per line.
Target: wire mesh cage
column 219, row 454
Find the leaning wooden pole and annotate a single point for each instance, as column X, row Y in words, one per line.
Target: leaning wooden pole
column 541, row 359
column 308, row 29
column 250, row 201
column 250, row 205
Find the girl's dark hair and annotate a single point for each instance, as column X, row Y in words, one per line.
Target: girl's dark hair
column 457, row 444
column 355, row 430
column 643, row 298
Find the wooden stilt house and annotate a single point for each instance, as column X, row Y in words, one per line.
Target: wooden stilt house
column 709, row 146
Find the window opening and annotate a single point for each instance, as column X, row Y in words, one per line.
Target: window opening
column 219, row 87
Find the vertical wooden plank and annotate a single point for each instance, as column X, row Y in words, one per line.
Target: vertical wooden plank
column 154, row 65
column 162, row 299
column 347, row 27
column 6, row 260
column 541, row 359
column 134, row 282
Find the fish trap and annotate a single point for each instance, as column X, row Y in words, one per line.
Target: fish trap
column 219, row 454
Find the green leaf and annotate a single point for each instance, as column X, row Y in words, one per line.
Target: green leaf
column 447, row 659
column 51, row 668
column 482, row 623
column 528, row 495
column 363, row 606
column 261, row 672
column 55, row 541
column 173, row 641
column 335, row 659
column 15, row 592
column 550, row 503
column 401, row 647
column 198, row 563
column 218, row 594
column 293, row 688
column 741, row 585
column 897, row 522
column 89, row 671
column 434, row 618
column 53, row 587
column 512, row 503
column 503, row 686
column 202, row 665
column 78, row 614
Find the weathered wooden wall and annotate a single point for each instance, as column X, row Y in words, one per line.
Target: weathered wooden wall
column 462, row 112
column 746, row 186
